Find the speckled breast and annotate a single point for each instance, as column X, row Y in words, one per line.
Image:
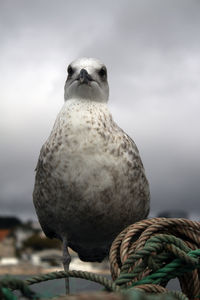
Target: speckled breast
column 89, row 179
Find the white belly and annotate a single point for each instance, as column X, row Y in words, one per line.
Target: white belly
column 85, row 155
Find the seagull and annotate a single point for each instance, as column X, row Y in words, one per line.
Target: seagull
column 90, row 182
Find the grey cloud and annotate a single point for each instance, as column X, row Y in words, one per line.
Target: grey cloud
column 161, row 25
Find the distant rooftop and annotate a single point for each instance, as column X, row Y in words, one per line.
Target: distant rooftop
column 4, row 233
column 9, row 222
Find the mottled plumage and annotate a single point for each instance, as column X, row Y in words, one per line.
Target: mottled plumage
column 90, row 182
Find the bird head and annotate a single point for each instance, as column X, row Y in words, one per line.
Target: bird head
column 87, row 79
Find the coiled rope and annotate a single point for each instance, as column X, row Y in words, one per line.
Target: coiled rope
column 154, row 244
column 143, row 257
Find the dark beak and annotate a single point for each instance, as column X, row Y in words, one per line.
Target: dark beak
column 84, row 77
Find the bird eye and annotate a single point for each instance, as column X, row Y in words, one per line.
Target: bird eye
column 102, row 72
column 70, row 71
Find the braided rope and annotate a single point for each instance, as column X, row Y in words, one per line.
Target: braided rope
column 108, row 284
column 8, row 283
column 158, row 244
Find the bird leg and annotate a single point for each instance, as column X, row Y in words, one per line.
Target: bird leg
column 66, row 262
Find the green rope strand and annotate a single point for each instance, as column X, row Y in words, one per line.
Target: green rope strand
column 9, row 283
column 108, row 284
column 174, row 269
column 154, row 244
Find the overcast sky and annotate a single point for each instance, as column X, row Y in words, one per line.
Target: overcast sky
column 152, row 51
